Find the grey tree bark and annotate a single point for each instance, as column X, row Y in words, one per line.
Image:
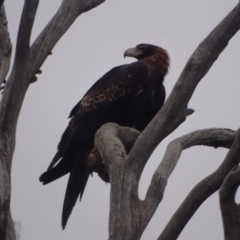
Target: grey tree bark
column 27, row 62
column 123, row 152
column 129, row 215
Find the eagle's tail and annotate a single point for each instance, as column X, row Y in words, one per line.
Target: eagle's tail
column 76, row 184
column 75, row 164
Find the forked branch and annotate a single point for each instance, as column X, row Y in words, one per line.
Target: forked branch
column 128, row 169
column 110, row 141
column 212, row 137
column 201, row 192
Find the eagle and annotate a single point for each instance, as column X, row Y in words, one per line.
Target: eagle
column 129, row 95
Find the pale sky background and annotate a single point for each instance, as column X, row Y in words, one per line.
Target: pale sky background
column 93, row 45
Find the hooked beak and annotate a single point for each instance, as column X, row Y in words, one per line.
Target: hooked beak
column 131, row 52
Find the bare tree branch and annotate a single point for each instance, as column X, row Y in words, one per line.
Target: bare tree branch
column 110, row 144
column 127, row 169
column 59, row 24
column 25, row 29
column 127, row 136
column 230, row 210
column 207, row 137
column 5, row 46
column 26, row 64
column 173, row 113
column 9, row 111
column 6, row 225
column 123, row 203
column 201, row 192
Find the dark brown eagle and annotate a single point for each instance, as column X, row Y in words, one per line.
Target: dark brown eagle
column 129, row 95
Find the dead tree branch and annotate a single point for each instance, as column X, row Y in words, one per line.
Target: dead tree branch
column 173, row 113
column 26, row 64
column 125, row 202
column 126, row 135
column 229, row 209
column 201, row 192
column 58, row 25
column 6, row 224
column 109, row 142
column 206, row 137
column 127, row 169
column 9, row 110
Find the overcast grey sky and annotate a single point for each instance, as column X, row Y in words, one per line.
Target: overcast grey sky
column 93, row 45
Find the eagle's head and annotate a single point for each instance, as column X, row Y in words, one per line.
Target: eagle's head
column 151, row 54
